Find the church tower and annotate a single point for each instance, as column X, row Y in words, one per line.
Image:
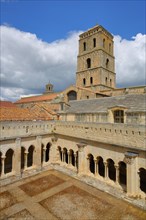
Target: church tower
column 95, row 62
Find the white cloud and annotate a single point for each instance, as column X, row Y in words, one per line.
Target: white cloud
column 28, row 63
column 130, row 60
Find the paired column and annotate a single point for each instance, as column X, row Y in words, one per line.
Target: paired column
column 25, row 159
column 82, row 167
column 131, row 162
column 3, row 166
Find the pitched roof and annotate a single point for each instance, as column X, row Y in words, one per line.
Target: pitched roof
column 21, row 114
column 133, row 102
column 39, row 98
column 7, row 104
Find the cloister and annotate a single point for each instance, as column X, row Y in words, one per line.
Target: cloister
column 96, row 166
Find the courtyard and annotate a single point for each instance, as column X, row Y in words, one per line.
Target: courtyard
column 53, row 195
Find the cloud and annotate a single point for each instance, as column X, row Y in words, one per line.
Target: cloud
column 130, row 60
column 28, row 63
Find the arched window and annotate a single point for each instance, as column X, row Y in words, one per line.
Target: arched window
column 84, row 81
column 111, row 169
column 118, row 116
column 72, row 95
column 84, row 46
column 94, row 42
column 142, row 175
column 88, row 63
column 101, row 167
column 48, row 152
column 9, row 161
column 22, row 157
column 91, row 163
column 30, row 156
column 122, row 174
column 103, row 43
column 107, row 63
column 91, row 80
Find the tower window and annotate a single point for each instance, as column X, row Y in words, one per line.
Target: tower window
column 109, row 48
column 119, row 116
column 107, row 63
column 84, row 46
column 103, row 43
column 106, row 81
column 94, row 42
column 110, row 82
column 84, row 81
column 88, row 63
column 91, row 80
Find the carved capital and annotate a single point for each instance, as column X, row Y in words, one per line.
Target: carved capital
column 81, row 146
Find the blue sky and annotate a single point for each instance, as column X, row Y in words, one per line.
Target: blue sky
column 125, row 18
column 39, row 42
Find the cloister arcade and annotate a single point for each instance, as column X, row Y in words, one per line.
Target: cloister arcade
column 97, row 167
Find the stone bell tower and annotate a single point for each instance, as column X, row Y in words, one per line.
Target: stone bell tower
column 95, row 62
column 49, row 89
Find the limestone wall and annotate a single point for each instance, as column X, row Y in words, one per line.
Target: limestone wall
column 27, row 128
column 132, row 136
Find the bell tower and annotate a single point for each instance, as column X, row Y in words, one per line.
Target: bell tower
column 95, row 61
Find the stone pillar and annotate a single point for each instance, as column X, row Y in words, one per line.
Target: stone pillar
column 81, row 158
column 88, row 165
column 131, row 162
column 117, row 174
column 44, row 155
column 37, row 153
column 16, row 163
column 3, row 166
column 75, row 156
column 68, row 155
column 25, row 159
column 53, row 150
column 96, row 171
column 106, row 170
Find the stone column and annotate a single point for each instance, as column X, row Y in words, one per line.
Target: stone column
column 53, row 150
column 3, row 166
column 81, row 158
column 106, row 170
column 25, row 159
column 88, row 165
column 16, row 164
column 75, row 156
column 131, row 162
column 68, row 154
column 44, row 155
column 117, row 174
column 37, row 153
column 95, row 162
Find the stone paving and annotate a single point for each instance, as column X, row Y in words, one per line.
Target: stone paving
column 53, row 195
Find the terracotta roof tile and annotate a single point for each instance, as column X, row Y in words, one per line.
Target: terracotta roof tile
column 40, row 98
column 7, row 104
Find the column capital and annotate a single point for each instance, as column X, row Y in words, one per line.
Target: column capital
column 129, row 157
column 54, row 139
column 3, row 157
column 81, row 146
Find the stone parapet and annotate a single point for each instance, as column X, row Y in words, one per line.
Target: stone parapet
column 124, row 135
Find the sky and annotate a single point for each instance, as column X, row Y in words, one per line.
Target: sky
column 39, row 42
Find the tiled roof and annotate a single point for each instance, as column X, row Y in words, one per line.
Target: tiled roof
column 37, row 98
column 7, row 104
column 19, row 114
column 133, row 103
